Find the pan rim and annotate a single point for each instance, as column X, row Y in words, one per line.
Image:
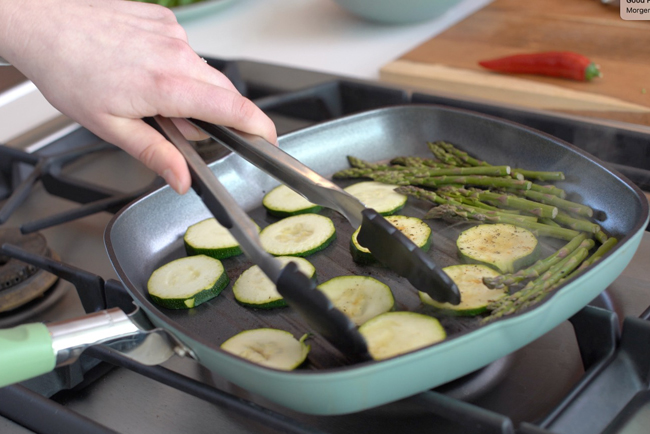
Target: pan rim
column 173, row 327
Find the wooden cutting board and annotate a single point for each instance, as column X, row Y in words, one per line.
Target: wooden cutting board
column 449, row 62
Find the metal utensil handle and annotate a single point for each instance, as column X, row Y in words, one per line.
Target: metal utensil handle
column 286, row 169
column 29, row 350
column 419, row 270
column 299, row 291
column 222, row 205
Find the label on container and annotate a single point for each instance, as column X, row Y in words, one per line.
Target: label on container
column 635, row 9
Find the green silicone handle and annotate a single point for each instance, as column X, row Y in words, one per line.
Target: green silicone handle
column 25, row 352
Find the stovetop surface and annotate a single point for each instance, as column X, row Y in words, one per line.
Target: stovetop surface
column 530, row 382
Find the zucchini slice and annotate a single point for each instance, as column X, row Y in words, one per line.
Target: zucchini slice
column 378, row 196
column 187, row 282
column 299, row 235
column 415, row 229
column 284, row 202
column 269, row 347
column 208, row 237
column 474, row 295
column 254, row 289
column 394, row 333
column 503, row 247
column 359, row 297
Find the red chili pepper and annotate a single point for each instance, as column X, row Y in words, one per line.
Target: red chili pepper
column 553, row 63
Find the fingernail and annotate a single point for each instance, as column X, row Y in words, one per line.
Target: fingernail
column 171, row 179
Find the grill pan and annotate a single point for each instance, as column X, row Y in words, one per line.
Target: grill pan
column 149, row 232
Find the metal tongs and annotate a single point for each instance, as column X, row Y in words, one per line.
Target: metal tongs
column 386, row 243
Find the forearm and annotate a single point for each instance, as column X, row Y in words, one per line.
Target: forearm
column 10, row 28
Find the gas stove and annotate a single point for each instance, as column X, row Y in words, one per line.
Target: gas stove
column 585, row 376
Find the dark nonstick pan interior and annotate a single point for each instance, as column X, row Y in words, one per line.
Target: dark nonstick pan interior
column 149, row 232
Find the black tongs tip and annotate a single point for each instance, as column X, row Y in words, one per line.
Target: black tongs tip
column 394, row 249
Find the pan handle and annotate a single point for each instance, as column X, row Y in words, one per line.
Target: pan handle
column 25, row 352
column 29, row 350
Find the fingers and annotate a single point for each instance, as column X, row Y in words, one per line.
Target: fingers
column 151, row 148
column 183, row 98
column 189, row 131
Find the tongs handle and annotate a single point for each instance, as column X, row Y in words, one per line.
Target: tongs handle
column 282, row 166
column 220, row 203
column 297, row 289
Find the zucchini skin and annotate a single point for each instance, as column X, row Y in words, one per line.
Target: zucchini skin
column 282, row 214
column 266, row 306
column 227, row 252
column 199, row 298
column 270, row 199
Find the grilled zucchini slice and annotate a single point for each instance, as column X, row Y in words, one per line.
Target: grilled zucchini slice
column 474, row 295
column 378, row 196
column 503, row 247
column 208, row 237
column 415, row 229
column 268, row 347
column 299, row 235
column 359, row 297
column 284, row 202
column 187, row 282
column 394, row 333
column 254, row 289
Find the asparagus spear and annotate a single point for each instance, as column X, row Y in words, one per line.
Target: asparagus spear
column 601, row 236
column 551, row 285
column 599, row 253
column 525, row 174
column 395, row 177
column 537, row 289
column 448, row 191
column 537, row 268
column 549, row 189
column 443, row 155
column 411, row 171
column 574, row 207
column 576, row 223
column 475, row 213
column 418, row 162
column 363, row 164
column 535, row 208
column 460, row 155
column 449, row 212
column 548, row 221
column 539, row 175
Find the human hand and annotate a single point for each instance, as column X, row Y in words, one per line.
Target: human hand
column 109, row 63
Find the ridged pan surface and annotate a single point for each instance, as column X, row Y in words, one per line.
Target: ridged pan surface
column 149, row 232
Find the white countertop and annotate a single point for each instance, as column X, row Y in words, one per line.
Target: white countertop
column 310, row 34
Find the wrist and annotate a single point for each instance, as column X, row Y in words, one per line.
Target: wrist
column 11, row 29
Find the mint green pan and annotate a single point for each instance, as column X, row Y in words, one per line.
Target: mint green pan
column 148, row 233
